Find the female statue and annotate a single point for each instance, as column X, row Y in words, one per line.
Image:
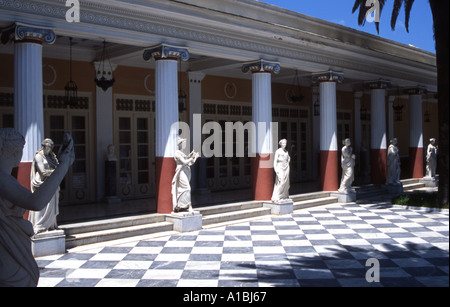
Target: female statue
column 282, row 170
column 181, row 187
column 393, row 164
column 431, row 158
column 17, row 264
column 44, row 164
column 348, row 167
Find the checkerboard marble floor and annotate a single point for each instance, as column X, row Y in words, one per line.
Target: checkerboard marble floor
column 320, row 246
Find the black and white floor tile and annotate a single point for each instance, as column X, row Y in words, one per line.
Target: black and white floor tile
column 321, row 246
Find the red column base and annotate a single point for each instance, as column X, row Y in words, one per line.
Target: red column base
column 416, row 162
column 329, row 170
column 22, row 174
column 165, row 170
column 378, row 163
column 262, row 177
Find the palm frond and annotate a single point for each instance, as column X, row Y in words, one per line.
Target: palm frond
column 395, row 11
column 408, row 6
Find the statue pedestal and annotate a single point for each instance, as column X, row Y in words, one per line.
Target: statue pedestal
column 185, row 221
column 281, row 207
column 395, row 189
column 110, row 182
column 429, row 181
column 345, row 197
column 48, row 243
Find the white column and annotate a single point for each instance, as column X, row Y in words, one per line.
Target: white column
column 166, row 118
column 378, row 131
column 328, row 128
column 28, row 92
column 262, row 164
column 415, row 132
column 105, row 127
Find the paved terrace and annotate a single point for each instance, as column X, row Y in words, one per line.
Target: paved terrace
column 320, row 246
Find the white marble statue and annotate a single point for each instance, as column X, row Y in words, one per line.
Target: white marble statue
column 181, row 187
column 17, row 264
column 282, row 170
column 44, row 164
column 393, row 164
column 348, row 168
column 110, row 154
column 431, row 159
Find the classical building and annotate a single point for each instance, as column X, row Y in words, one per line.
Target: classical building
column 214, row 61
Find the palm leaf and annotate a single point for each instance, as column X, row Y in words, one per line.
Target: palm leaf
column 408, row 6
column 395, row 11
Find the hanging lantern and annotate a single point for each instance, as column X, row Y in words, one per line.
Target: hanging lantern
column 295, row 92
column 71, row 89
column 398, row 110
column 104, row 78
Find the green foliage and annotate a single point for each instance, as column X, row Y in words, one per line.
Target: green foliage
column 429, row 200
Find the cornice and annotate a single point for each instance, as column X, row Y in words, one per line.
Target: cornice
column 133, row 18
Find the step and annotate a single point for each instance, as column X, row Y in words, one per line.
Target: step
column 315, row 202
column 219, row 209
column 235, row 215
column 309, row 196
column 98, row 225
column 116, row 233
column 413, row 186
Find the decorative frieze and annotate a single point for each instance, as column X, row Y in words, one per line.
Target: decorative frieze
column 261, row 66
column 164, row 51
column 418, row 90
column 379, row 84
column 21, row 32
column 328, row 76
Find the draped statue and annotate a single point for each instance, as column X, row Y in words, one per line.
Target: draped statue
column 17, row 264
column 348, row 167
column 431, row 159
column 282, row 171
column 181, row 187
column 44, row 164
column 393, row 164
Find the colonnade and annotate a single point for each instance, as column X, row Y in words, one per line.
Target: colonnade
column 28, row 114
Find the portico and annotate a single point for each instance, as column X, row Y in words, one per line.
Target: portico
column 206, row 51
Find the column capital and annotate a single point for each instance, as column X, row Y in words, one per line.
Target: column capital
column 22, row 32
column 165, row 51
column 196, row 76
column 379, row 84
column 418, row 90
column 261, row 66
column 328, row 76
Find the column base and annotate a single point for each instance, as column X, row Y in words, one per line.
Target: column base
column 285, row 206
column 48, row 243
column 165, row 170
column 430, row 182
column 262, row 177
column 345, row 196
column 329, row 170
column 185, row 221
column 395, row 189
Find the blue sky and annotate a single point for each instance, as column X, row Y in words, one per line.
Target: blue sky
column 340, row 11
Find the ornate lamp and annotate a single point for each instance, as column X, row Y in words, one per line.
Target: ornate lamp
column 71, row 89
column 295, row 92
column 102, row 81
column 398, row 108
